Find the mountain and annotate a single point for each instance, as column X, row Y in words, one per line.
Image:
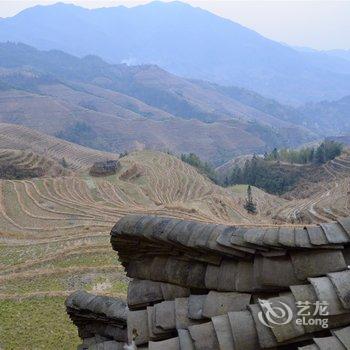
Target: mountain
column 344, row 139
column 184, row 40
column 345, row 54
column 117, row 107
column 325, row 118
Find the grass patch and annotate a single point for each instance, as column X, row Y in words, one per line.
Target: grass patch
column 119, row 287
column 63, row 282
column 10, row 256
column 37, row 323
column 34, row 284
column 16, row 255
column 88, row 259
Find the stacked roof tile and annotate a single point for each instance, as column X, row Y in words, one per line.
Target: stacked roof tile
column 207, row 286
column 101, row 320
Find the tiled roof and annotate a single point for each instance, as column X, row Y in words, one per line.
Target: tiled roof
column 206, row 286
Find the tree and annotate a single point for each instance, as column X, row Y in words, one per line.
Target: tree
column 203, row 167
column 274, row 154
column 250, row 205
column 320, row 155
column 235, row 176
column 326, row 151
column 123, row 154
column 64, row 163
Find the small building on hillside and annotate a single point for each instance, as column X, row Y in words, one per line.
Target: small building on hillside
column 104, row 168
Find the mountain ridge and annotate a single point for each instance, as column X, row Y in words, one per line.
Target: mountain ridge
column 123, row 107
column 163, row 34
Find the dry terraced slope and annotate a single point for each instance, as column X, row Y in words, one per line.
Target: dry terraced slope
column 55, row 230
column 55, row 233
column 121, row 107
column 22, row 138
column 324, row 201
column 30, row 161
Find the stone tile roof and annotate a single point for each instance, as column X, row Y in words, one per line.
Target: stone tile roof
column 100, row 319
column 339, row 340
column 207, row 286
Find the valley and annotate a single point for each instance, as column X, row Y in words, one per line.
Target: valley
column 118, row 107
column 55, row 220
column 323, row 201
column 55, row 228
column 55, row 217
column 168, row 110
column 122, row 35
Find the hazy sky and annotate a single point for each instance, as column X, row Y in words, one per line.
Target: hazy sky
column 316, row 24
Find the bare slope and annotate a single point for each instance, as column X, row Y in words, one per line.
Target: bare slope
column 321, row 201
column 147, row 182
column 118, row 107
column 55, row 231
column 22, row 138
column 21, row 164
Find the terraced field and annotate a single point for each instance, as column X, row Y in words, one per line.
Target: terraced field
column 54, row 230
column 21, row 138
column 329, row 199
column 28, row 160
column 55, row 235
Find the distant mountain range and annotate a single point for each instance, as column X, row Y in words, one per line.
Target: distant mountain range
column 187, row 41
column 117, row 107
column 345, row 54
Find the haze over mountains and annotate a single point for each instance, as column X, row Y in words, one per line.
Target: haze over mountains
column 116, row 107
column 69, row 105
column 345, row 54
column 164, row 34
column 119, row 107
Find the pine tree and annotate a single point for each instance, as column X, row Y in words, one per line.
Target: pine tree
column 320, row 156
column 64, row 163
column 274, row 154
column 250, row 205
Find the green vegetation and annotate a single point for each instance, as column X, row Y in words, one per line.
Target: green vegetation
column 39, row 276
column 272, row 177
column 250, row 205
column 64, row 163
column 123, row 154
column 32, row 311
column 326, row 151
column 270, row 174
column 13, row 172
column 203, row 167
column 36, row 323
